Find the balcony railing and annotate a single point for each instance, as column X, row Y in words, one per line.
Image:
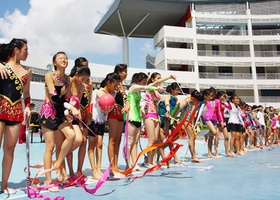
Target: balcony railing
column 268, row 75
column 221, row 32
column 207, row 75
column 270, row 99
column 267, row 53
column 236, row 32
column 267, row 32
column 262, row 99
column 223, row 53
column 247, row 98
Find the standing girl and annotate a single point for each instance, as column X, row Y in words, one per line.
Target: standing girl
column 222, row 96
column 14, row 81
column 99, row 118
column 235, row 124
column 151, row 112
column 116, row 118
column 81, row 63
column 211, row 118
column 138, row 83
column 52, row 119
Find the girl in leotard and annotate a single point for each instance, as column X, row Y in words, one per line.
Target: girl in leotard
column 116, row 119
column 151, row 112
column 235, row 124
column 99, row 118
column 14, row 82
column 138, row 83
column 52, row 119
column 222, row 96
column 211, row 118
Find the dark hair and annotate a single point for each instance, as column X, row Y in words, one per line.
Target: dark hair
column 111, row 77
column 213, row 90
column 197, row 95
column 172, row 86
column 32, row 105
column 220, row 93
column 138, row 77
column 81, row 70
column 120, row 68
column 206, row 92
column 232, row 97
column 153, row 75
column 55, row 55
column 6, row 50
column 80, row 60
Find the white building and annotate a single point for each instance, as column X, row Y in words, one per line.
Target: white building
column 229, row 45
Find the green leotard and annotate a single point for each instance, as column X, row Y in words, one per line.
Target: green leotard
column 134, row 112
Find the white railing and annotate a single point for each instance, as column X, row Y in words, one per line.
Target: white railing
column 267, row 32
column 207, row 75
column 231, row 32
column 221, row 32
column 262, row 99
column 267, row 53
column 268, row 75
column 247, row 98
column 223, row 53
column 270, row 99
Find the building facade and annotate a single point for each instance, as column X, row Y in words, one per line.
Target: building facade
column 233, row 47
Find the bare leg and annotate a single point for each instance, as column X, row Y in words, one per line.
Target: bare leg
column 91, row 149
column 99, row 154
column 226, row 140
column 115, row 133
column 49, row 142
column 82, row 153
column 11, row 135
column 152, row 138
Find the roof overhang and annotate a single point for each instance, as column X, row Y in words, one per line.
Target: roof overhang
column 144, row 18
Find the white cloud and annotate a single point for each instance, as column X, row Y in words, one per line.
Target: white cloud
column 148, row 48
column 67, row 25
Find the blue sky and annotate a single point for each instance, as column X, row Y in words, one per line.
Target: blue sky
column 67, row 25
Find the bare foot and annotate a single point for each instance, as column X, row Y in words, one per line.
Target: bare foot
column 211, row 156
column 79, row 174
column 178, row 162
column 217, row 156
column 196, row 160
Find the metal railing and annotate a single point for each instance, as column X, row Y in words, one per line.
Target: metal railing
column 267, row 53
column 223, row 53
column 221, row 32
column 236, row 32
column 268, row 75
column 271, row 99
column 266, row 32
column 208, row 75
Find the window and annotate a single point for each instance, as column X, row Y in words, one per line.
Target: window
column 225, row 70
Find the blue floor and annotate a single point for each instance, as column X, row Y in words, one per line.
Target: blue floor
column 254, row 175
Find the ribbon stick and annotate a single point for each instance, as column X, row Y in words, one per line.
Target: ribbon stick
column 27, row 154
column 126, row 148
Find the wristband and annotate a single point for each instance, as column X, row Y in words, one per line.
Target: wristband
column 27, row 102
column 90, row 108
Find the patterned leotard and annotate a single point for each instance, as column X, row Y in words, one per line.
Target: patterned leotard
column 151, row 106
column 116, row 113
column 84, row 104
column 11, row 90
